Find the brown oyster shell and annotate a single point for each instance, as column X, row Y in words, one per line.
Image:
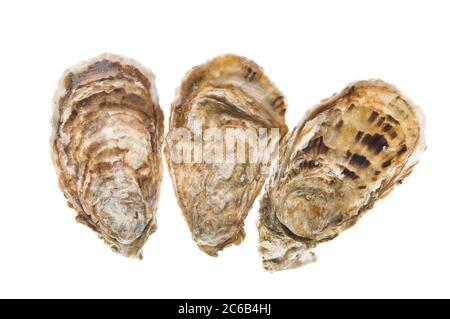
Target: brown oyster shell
column 106, row 148
column 348, row 152
column 228, row 91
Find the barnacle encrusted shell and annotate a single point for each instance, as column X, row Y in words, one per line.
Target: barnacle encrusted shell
column 106, row 148
column 348, row 152
column 228, row 91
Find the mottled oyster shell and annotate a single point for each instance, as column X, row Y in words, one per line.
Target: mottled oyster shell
column 227, row 92
column 106, row 148
column 348, row 152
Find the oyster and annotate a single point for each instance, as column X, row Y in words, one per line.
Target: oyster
column 347, row 152
column 214, row 191
column 106, row 148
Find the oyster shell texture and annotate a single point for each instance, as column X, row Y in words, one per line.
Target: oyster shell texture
column 106, row 148
column 347, row 152
column 227, row 91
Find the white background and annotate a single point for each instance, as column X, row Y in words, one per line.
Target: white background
column 310, row 50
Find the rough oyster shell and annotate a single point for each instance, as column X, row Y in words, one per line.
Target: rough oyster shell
column 106, row 148
column 348, row 152
column 227, row 92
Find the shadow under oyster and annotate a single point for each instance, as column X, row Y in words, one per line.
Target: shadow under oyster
column 347, row 152
column 215, row 195
column 107, row 133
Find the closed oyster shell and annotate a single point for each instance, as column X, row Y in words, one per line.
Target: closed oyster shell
column 227, row 92
column 106, row 148
column 348, row 152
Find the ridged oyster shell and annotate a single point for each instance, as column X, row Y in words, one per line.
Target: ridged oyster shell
column 227, row 92
column 347, row 152
column 106, row 148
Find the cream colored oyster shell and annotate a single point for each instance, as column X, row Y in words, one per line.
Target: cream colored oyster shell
column 227, row 92
column 106, row 148
column 348, row 152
